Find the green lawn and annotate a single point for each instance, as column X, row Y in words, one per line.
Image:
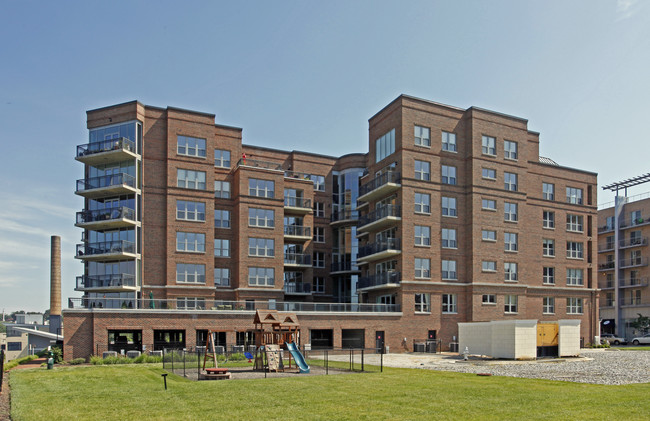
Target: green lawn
column 123, row 392
column 634, row 348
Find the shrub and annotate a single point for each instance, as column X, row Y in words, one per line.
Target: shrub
column 96, row 360
column 77, row 361
column 56, row 351
column 11, row 364
column 237, row 357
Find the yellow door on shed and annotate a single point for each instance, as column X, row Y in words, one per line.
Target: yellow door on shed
column 547, row 334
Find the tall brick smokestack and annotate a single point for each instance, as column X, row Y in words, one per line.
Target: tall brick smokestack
column 55, row 285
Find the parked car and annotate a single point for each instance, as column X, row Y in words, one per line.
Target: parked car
column 613, row 339
column 645, row 339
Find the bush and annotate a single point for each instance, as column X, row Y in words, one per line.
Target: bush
column 237, row 357
column 58, row 354
column 143, row 358
column 11, row 364
column 77, row 361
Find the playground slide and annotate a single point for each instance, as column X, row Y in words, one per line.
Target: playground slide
column 297, row 356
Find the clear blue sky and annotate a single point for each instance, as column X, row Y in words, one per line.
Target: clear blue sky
column 302, row 75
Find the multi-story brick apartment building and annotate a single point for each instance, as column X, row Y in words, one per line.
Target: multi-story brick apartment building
column 452, row 216
column 623, row 231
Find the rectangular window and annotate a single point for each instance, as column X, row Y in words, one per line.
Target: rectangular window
column 510, row 211
column 449, row 238
column 548, row 305
column 449, row 206
column 189, row 273
column 221, row 247
column 222, row 277
column 261, row 188
column 548, row 247
column 510, row 304
column 319, row 209
column 14, row 346
column 422, row 137
column 422, row 170
column 189, row 179
column 261, row 276
column 422, row 268
column 261, row 247
column 510, row 181
column 574, row 277
column 548, row 219
column 635, row 238
column 449, row 303
column 489, row 173
column 510, row 149
column 489, row 145
column 318, row 180
column 574, row 305
column 319, row 259
column 489, row 299
column 548, row 191
column 488, row 266
column 488, row 235
column 449, row 270
column 190, row 242
column 319, row 234
column 422, row 303
column 191, row 146
column 422, row 235
column 422, row 203
column 264, row 218
column 635, row 217
column 510, row 240
column 574, row 195
column 190, row 211
column 574, row 250
column 548, row 275
column 319, row 285
column 221, row 218
column 448, row 175
column 574, row 223
column 449, row 141
column 385, row 146
column 510, row 271
column 221, row 158
column 489, row 204
column 222, row 189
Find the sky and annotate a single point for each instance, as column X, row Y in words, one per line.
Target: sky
column 303, row 75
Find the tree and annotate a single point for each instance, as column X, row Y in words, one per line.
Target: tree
column 642, row 323
column 3, row 328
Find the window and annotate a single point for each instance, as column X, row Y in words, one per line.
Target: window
column 422, row 137
column 548, row 305
column 548, row 247
column 221, row 218
column 635, row 238
column 189, row 179
column 449, row 141
column 191, row 146
column 489, row 173
column 319, row 285
column 574, row 195
column 548, row 191
column 222, row 277
column 489, row 145
column 422, row 170
column 449, row 206
column 221, row 247
column 422, row 235
column 422, row 268
column 609, row 299
column 510, row 304
column 510, row 181
column 574, row 305
column 510, row 211
column 574, row 223
column 449, row 303
column 449, row 270
column 221, row 158
column 488, row 235
column 222, row 189
column 510, row 271
column 548, row 275
column 319, row 234
column 261, row 188
column 489, row 204
column 574, row 250
column 319, row 259
column 319, row 209
column 422, row 203
column 548, row 219
column 14, row 346
column 510, row 149
column 190, row 241
column 489, row 299
column 189, row 273
column 510, row 240
column 319, row 181
column 261, row 276
column 449, row 238
column 385, row 146
column 574, row 277
column 448, row 175
column 190, row 211
column 422, row 303
column 264, row 218
column 488, row 266
column 261, row 247
column 190, row 303
column 635, row 217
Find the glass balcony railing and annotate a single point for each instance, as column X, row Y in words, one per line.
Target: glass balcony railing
column 297, row 202
column 297, row 259
column 297, row 231
column 105, row 247
column 633, row 261
column 106, row 281
column 380, row 180
column 380, row 279
column 121, row 144
column 344, row 215
column 297, row 288
column 109, row 214
column 106, row 181
column 380, row 213
column 379, row 246
column 344, row 267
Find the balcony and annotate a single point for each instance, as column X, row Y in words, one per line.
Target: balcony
column 633, row 262
column 110, row 218
column 338, row 268
column 106, row 250
column 632, row 302
column 121, row 282
column 634, row 282
column 297, row 260
column 381, row 218
column 107, row 151
column 633, row 242
column 256, row 163
column 380, row 186
column 380, row 280
column 605, row 228
column 344, row 217
column 379, row 250
column 630, row 223
column 608, row 246
column 297, row 232
column 106, row 185
column 298, row 205
column 297, row 288
column 606, row 266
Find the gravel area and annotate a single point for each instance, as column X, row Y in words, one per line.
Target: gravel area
column 593, row 366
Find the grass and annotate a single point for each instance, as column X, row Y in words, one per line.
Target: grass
column 136, row 392
column 634, row 348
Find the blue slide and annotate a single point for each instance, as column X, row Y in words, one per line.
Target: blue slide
column 297, row 356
